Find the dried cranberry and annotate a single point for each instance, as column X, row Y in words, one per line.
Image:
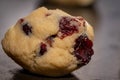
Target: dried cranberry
column 88, row 43
column 90, row 51
column 82, row 55
column 50, row 39
column 27, row 28
column 85, row 58
column 68, row 26
column 83, row 49
column 83, row 42
column 21, row 20
column 43, row 48
column 48, row 14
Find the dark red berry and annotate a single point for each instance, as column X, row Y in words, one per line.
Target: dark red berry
column 83, row 49
column 88, row 43
column 48, row 14
column 78, row 53
column 50, row 39
column 90, row 51
column 27, row 28
column 43, row 48
column 21, row 20
column 68, row 26
column 83, row 42
column 82, row 55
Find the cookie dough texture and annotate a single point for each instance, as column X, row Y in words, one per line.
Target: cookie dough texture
column 24, row 49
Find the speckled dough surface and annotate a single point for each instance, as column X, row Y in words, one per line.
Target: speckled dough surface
column 50, row 42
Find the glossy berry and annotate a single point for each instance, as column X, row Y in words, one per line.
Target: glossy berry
column 43, row 48
column 27, row 28
column 83, row 49
column 48, row 14
column 90, row 51
column 83, row 42
column 88, row 43
column 21, row 20
column 50, row 39
column 68, row 26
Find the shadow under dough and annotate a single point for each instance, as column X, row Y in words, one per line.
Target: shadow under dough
column 25, row 75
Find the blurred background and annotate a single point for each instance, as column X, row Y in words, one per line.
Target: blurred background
column 103, row 15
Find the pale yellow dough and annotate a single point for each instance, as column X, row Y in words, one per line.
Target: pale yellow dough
column 23, row 49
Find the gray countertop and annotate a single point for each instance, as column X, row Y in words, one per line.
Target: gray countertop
column 104, row 16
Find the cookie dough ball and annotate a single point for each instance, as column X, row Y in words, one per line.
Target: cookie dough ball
column 49, row 42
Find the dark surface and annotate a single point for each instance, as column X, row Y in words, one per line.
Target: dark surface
column 105, row 17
